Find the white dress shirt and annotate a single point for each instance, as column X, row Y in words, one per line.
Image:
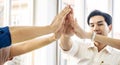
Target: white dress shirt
column 87, row 54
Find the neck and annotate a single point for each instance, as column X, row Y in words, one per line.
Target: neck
column 100, row 46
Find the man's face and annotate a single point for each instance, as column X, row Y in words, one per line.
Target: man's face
column 99, row 25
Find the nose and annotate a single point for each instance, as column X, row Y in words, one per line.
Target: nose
column 96, row 28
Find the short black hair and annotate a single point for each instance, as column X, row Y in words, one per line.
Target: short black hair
column 106, row 16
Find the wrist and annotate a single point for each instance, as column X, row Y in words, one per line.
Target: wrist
column 51, row 28
column 65, row 37
column 52, row 38
column 89, row 35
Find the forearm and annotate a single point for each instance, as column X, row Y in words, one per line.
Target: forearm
column 65, row 43
column 27, row 46
column 109, row 41
column 22, row 33
column 104, row 40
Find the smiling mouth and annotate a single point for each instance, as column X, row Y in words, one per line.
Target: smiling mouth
column 99, row 33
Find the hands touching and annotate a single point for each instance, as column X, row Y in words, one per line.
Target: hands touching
column 68, row 29
column 57, row 25
column 59, row 19
column 72, row 27
column 65, row 24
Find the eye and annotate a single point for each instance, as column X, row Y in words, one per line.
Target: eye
column 91, row 25
column 100, row 24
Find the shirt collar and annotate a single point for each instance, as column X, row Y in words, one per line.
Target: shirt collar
column 107, row 48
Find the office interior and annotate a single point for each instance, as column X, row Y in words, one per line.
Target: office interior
column 41, row 13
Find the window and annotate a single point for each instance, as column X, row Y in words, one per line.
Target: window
column 33, row 13
column 1, row 12
column 116, row 19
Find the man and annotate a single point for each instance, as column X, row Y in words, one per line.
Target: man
column 23, row 35
column 92, row 53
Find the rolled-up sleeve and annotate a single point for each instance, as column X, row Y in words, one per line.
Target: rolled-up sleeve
column 5, row 37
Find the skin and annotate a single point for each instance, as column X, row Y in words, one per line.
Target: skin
column 66, row 43
column 110, row 41
column 30, row 45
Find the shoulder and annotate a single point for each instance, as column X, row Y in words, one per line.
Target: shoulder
column 115, row 52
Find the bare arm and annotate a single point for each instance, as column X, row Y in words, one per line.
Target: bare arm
column 27, row 46
column 65, row 43
column 109, row 41
column 19, row 33
column 22, row 33
column 104, row 40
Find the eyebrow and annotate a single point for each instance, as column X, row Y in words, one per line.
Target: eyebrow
column 97, row 22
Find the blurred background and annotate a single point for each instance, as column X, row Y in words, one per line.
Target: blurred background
column 42, row 12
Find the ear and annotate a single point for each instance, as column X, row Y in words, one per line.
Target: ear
column 110, row 27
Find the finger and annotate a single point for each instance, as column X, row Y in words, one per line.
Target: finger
column 74, row 22
column 64, row 20
column 62, row 14
column 71, row 10
column 65, row 10
column 59, row 32
column 61, row 17
column 59, row 27
column 71, row 18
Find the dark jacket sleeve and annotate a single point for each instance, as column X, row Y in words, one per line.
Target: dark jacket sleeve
column 5, row 37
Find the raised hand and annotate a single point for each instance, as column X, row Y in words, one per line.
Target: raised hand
column 68, row 29
column 59, row 32
column 59, row 19
column 79, row 31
